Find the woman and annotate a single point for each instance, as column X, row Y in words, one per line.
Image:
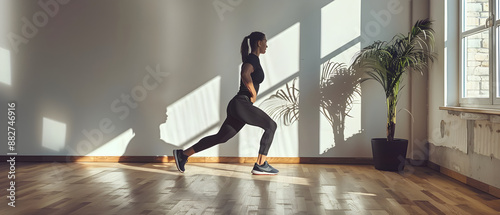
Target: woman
column 240, row 110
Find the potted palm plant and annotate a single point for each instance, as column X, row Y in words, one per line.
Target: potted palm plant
column 388, row 63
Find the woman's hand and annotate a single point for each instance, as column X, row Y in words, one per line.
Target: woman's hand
column 253, row 99
column 246, row 77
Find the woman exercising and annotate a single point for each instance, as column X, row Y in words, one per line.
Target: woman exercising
column 240, row 110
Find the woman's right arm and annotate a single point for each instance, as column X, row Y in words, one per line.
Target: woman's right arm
column 246, row 77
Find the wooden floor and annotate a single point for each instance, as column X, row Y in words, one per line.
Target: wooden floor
column 216, row 188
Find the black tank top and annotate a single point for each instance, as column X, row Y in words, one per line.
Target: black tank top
column 257, row 75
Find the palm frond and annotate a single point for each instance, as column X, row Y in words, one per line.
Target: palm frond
column 284, row 104
column 388, row 62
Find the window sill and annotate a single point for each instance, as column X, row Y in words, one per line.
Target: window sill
column 489, row 111
column 474, row 113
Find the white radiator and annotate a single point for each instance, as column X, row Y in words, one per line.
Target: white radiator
column 487, row 138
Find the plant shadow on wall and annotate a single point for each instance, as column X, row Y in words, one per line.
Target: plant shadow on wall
column 339, row 87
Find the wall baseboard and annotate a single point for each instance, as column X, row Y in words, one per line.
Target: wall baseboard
column 168, row 159
column 466, row 180
column 419, row 163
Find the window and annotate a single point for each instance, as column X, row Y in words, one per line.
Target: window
column 497, row 52
column 479, row 34
column 498, row 62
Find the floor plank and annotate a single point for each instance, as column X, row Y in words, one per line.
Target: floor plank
column 224, row 188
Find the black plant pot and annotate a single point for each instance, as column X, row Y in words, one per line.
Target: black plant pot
column 389, row 156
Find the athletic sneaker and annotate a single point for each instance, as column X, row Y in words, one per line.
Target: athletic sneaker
column 264, row 169
column 180, row 159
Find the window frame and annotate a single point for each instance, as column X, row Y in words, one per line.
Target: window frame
column 496, row 53
column 493, row 99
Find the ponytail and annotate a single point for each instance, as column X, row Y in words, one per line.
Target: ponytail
column 254, row 38
column 244, row 49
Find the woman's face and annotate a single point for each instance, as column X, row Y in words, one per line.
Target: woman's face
column 263, row 46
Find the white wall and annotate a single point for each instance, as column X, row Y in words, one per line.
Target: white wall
column 469, row 147
column 97, row 77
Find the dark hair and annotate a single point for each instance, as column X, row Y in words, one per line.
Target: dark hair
column 254, row 38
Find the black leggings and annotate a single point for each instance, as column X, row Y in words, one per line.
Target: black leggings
column 240, row 111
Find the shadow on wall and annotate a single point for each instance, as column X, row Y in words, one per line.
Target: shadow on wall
column 338, row 93
column 195, row 114
column 339, row 90
column 86, row 71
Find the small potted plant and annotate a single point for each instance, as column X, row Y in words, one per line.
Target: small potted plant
column 388, row 63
